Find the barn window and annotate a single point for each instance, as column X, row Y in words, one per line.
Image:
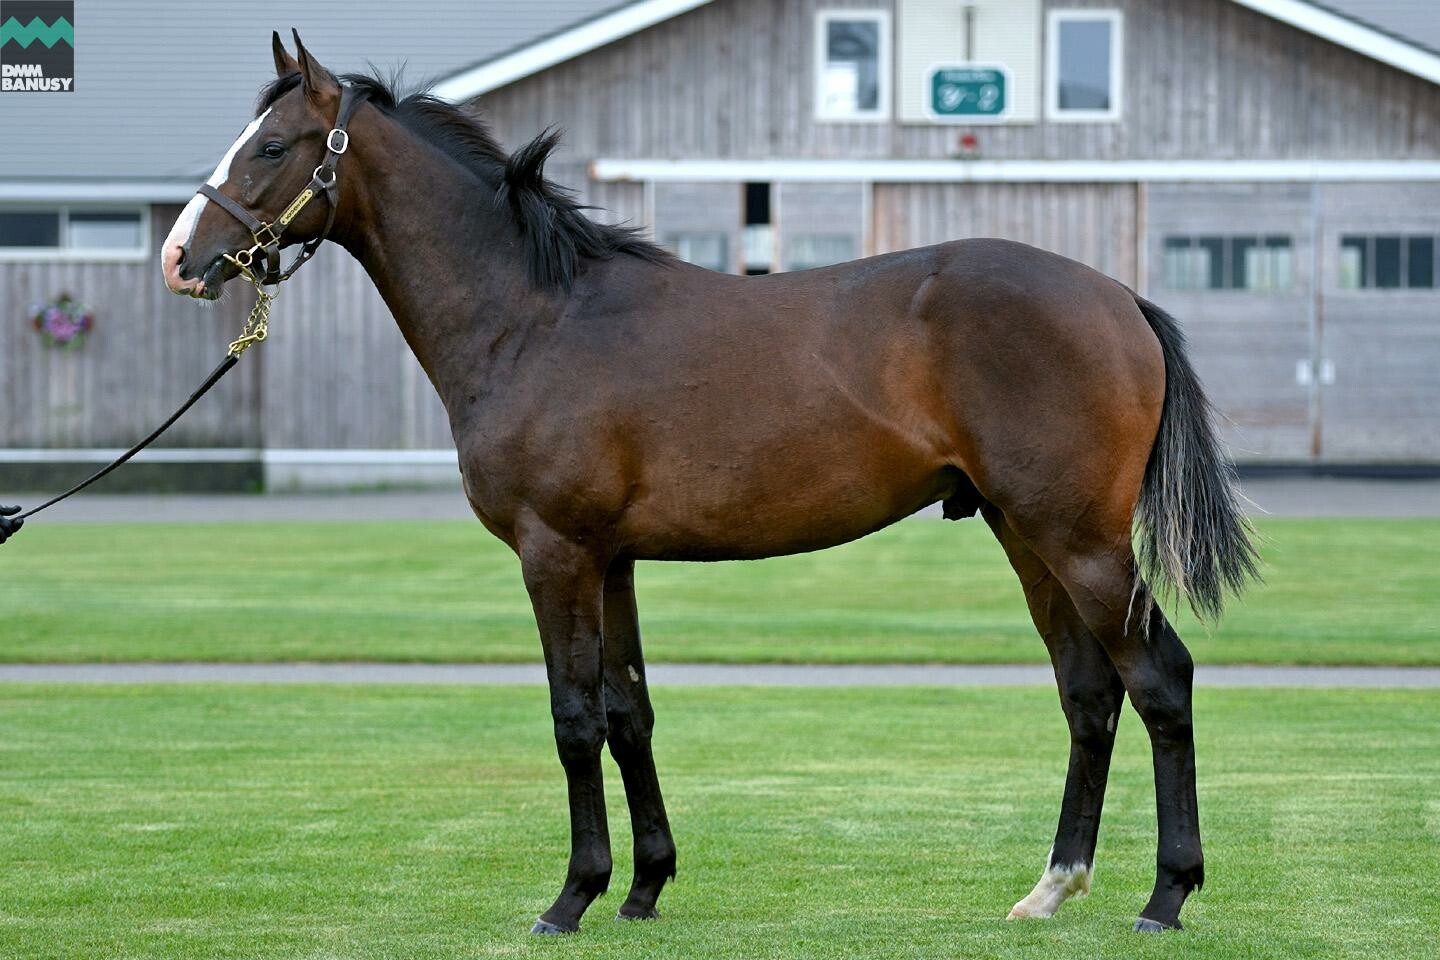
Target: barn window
column 852, row 65
column 1387, row 262
column 1260, row 264
column 706, row 248
column 1083, row 49
column 73, row 232
column 808, row 250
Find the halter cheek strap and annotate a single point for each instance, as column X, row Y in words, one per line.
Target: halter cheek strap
column 262, row 260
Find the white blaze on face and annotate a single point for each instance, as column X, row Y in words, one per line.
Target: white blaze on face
column 1055, row 887
column 184, row 230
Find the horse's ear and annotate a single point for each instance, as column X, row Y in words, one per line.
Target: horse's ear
column 284, row 63
column 321, row 87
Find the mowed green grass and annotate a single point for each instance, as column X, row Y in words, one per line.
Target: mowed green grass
column 292, row 822
column 1337, row 591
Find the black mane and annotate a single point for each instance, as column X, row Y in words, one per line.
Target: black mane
column 556, row 231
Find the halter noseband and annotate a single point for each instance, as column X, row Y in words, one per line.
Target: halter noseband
column 265, row 253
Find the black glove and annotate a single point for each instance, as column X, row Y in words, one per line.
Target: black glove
column 8, row 527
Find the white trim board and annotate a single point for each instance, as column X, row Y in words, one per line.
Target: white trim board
column 1348, row 33
column 560, row 47
column 1019, row 171
column 80, row 191
column 279, row 457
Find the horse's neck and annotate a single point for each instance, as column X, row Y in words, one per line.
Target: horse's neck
column 449, row 265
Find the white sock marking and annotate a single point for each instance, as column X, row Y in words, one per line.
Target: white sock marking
column 1057, row 884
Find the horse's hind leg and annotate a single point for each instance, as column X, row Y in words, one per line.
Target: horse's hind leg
column 631, row 720
column 1097, row 567
column 1091, row 695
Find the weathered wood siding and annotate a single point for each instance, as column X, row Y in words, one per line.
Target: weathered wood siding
column 338, row 374
column 1092, row 223
column 1203, row 79
column 1383, row 345
column 148, row 351
column 335, row 373
column 1245, row 345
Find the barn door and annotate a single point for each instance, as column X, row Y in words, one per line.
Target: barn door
column 700, row 222
column 819, row 223
column 1378, row 367
column 1235, row 264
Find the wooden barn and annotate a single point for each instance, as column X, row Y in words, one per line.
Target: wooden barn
column 1268, row 170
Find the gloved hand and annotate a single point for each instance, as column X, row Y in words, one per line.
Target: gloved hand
column 8, row 527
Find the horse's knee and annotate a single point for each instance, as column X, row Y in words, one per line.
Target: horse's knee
column 1093, row 729
column 580, row 730
column 631, row 725
column 1161, row 685
column 1091, row 696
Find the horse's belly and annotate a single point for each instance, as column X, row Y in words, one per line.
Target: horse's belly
column 790, row 503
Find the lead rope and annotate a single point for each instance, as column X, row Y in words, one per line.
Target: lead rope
column 267, row 238
column 256, row 329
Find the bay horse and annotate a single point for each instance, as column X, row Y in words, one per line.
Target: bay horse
column 612, row 404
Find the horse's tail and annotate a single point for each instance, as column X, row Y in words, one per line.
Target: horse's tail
column 1194, row 537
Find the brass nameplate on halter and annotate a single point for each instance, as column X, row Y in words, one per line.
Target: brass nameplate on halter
column 294, row 209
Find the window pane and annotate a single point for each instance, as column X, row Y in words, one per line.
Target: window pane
column 1281, row 260
column 1213, row 267
column 1176, row 263
column 1241, row 260
column 852, row 67
column 808, row 250
column 757, row 247
column 1387, row 262
column 1084, row 64
column 1354, row 265
column 1422, row 262
column 105, row 231
column 30, row 229
column 710, row 250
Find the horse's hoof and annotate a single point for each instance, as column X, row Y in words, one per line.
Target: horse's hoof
column 638, row 913
column 545, row 928
column 1144, row 925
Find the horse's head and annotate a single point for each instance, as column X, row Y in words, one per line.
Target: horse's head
column 264, row 170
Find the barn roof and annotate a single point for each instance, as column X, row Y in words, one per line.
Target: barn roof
column 180, row 110
column 182, row 82
column 1413, row 21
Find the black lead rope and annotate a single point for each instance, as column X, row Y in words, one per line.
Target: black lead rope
column 10, row 522
column 264, row 258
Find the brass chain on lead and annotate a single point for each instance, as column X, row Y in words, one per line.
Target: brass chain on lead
column 257, row 327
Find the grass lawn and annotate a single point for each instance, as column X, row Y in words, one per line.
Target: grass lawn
column 1338, row 591
column 291, row 822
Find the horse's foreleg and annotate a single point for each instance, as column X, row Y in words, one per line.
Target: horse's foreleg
column 1091, row 695
column 566, row 582
column 627, row 706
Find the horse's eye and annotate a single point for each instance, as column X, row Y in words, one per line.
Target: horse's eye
column 274, row 150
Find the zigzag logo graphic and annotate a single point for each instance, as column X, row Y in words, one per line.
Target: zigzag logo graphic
column 37, row 29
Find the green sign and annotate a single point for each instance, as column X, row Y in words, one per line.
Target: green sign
column 968, row 91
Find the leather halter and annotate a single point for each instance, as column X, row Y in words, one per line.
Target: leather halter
column 261, row 262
